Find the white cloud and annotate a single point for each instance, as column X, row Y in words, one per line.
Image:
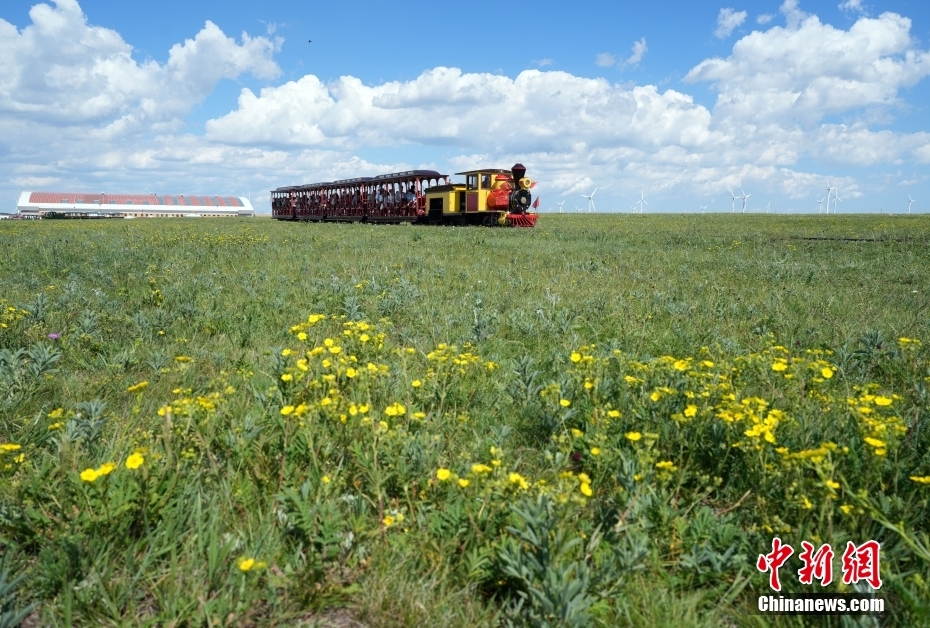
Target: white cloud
column 639, row 51
column 542, row 62
column 852, row 6
column 765, row 18
column 812, row 70
column 60, row 70
column 727, row 21
column 793, row 15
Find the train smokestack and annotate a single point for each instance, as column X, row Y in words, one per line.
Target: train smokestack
column 518, row 171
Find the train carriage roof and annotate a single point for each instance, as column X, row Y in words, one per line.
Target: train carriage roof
column 407, row 175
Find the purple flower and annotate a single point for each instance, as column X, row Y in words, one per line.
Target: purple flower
column 54, row 336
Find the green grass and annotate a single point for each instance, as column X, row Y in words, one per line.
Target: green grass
column 348, row 522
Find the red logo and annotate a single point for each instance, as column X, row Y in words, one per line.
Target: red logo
column 859, row 563
column 772, row 561
column 817, row 565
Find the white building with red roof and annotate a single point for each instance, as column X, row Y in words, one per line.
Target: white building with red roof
column 82, row 204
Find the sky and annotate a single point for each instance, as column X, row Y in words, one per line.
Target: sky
column 685, row 103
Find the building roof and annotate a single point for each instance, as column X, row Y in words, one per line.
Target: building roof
column 83, row 198
column 139, row 203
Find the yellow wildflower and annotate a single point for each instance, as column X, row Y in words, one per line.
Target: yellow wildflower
column 443, row 474
column 882, row 401
column 395, row 409
column 577, row 433
column 827, row 372
column 480, row 468
column 565, row 403
column 138, row 387
column 690, row 411
column 463, row 482
column 286, row 410
column 633, row 436
column 388, row 521
column 595, row 451
column 575, row 356
column 89, row 475
column 613, row 413
column 518, row 479
column 416, row 383
column 921, row 479
column 134, row 461
column 246, row 564
column 10, row 447
column 286, row 377
column 586, row 489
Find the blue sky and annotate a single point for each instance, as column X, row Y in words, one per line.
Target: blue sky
column 685, row 101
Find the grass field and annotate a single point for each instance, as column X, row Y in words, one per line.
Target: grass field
column 600, row 421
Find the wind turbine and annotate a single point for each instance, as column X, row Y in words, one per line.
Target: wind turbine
column 633, row 209
column 768, row 207
column 745, row 196
column 642, row 200
column 732, row 202
column 820, row 207
column 836, row 198
column 830, row 188
column 703, row 207
column 578, row 209
column 910, row 202
column 560, row 206
column 591, row 201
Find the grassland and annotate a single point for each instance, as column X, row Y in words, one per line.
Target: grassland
column 601, row 421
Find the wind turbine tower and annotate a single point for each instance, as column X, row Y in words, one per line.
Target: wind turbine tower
column 642, row 200
column 732, row 202
column 745, row 196
column 591, row 201
column 830, row 188
column 768, row 207
column 910, row 202
column 703, row 207
column 836, row 199
column 820, row 206
column 560, row 206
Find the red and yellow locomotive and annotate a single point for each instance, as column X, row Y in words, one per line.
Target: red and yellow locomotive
column 488, row 197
